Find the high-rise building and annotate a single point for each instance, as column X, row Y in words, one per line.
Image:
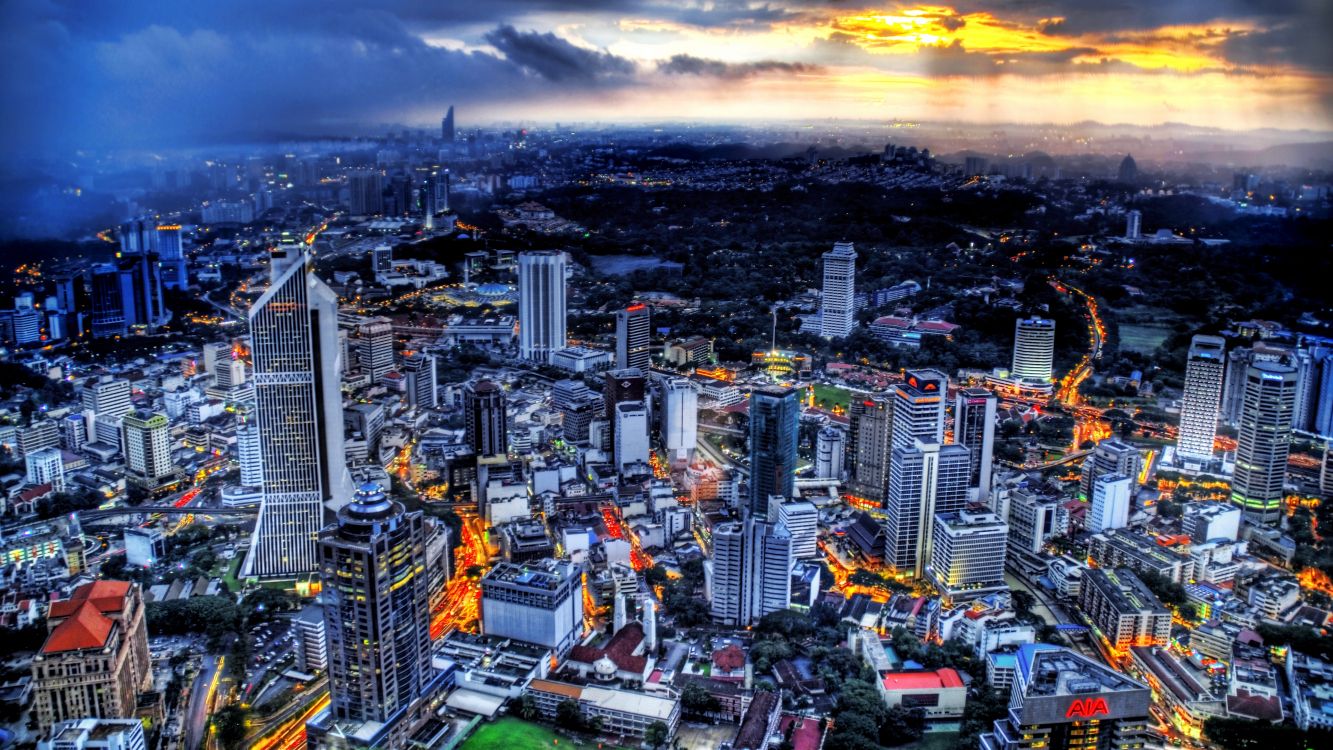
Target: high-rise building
column 837, row 307
column 578, row 405
column 680, row 419
column 1264, row 442
column 918, row 408
column 633, row 334
column 541, row 304
column 447, row 126
column 1124, row 609
column 372, row 565
column 1062, row 700
column 924, row 480
column 1129, row 171
column 1034, row 349
column 1202, row 397
column 312, row 644
column 750, row 573
column 171, row 253
column 422, row 390
column 1133, row 225
column 1110, row 456
column 869, row 433
column 830, row 453
column 974, row 427
column 249, row 454
column 631, row 434
column 298, row 408
column 147, row 444
column 537, row 602
column 484, row 419
column 45, row 466
column 365, row 193
column 375, row 347
column 775, row 415
column 42, row 433
column 94, row 662
column 108, row 399
column 968, row 553
column 801, row 519
column 1233, row 384
column 1110, row 503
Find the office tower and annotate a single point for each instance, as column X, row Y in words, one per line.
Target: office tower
column 484, row 419
column 968, row 553
column 1062, row 700
column 1202, row 397
column 139, row 257
column 372, row 565
column 538, row 602
column 381, row 259
column 1206, row 521
column 447, row 126
column 108, row 300
column 633, row 333
column 750, row 571
column 869, row 443
column 312, row 644
column 1314, row 390
column 45, row 466
column 541, row 304
column 365, row 193
column 631, row 434
column 801, row 519
column 1233, row 384
column 775, row 415
column 96, row 734
column 1034, row 349
column 298, row 408
column 620, row 386
column 1264, row 441
column 419, row 369
column 1110, row 503
column 73, row 432
column 1322, row 422
column 95, row 658
column 147, row 444
column 429, row 202
column 578, row 405
column 375, row 347
column 214, row 353
column 974, row 428
column 1110, row 456
column 918, row 409
column 249, row 454
column 1123, row 609
column 42, row 433
column 837, row 308
column 680, row 419
column 1133, row 225
column 68, row 289
column 109, row 400
column 27, row 321
column 830, row 453
column 171, row 254
column 924, row 480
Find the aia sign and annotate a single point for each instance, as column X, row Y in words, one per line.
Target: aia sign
column 1087, row 708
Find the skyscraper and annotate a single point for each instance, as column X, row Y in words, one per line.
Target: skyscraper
column 869, row 442
column 918, row 408
column 365, row 193
column 484, row 419
column 633, row 327
column 108, row 399
column 375, row 347
column 631, row 434
column 1034, row 349
column 830, row 453
column 1133, row 225
column 968, row 552
column 837, row 309
column 1264, row 441
column 372, row 564
column 1110, row 456
column 422, row 390
column 1202, row 397
column 926, row 479
column 750, row 572
column 171, row 253
column 621, row 386
column 298, row 409
column 147, row 447
column 974, row 427
column 447, row 126
column 775, row 415
column 1110, row 503
column 541, row 304
column 680, row 419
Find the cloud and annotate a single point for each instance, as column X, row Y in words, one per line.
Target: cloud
column 557, row 59
column 698, row 66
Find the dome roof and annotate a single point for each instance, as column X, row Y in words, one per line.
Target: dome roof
column 492, row 290
column 604, row 667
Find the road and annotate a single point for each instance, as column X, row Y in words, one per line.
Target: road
column 203, row 696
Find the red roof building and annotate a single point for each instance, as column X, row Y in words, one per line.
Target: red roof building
column 940, row 693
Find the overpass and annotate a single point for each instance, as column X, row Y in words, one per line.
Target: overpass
column 167, row 510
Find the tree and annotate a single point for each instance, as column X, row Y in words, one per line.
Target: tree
column 230, row 726
column 698, row 701
column 569, row 716
column 656, row 734
column 526, row 707
column 901, row 726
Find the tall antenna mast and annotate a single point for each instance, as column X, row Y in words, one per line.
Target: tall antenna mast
column 774, row 346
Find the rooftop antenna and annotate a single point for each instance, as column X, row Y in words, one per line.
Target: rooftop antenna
column 774, row 346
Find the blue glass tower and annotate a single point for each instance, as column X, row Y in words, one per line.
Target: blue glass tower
column 775, row 415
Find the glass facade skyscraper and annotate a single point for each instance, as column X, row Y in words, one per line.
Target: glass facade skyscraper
column 775, row 415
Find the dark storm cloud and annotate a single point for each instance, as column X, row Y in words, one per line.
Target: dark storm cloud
column 556, row 59
column 699, row 66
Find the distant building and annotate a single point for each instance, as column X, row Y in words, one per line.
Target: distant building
column 1264, row 442
column 633, row 337
column 837, row 308
column 1034, row 349
column 1202, row 398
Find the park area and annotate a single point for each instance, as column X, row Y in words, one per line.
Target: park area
column 511, row 733
column 831, row 398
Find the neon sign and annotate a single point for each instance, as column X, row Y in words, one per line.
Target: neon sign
column 1087, row 708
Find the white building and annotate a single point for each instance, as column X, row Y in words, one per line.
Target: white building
column 1202, row 399
column 108, row 399
column 631, row 434
column 538, row 602
column 46, row 466
column 837, row 309
column 750, row 572
column 680, row 419
column 144, row 546
column 830, row 453
column 1206, row 521
column 1110, row 503
column 1133, row 225
column 580, row 359
column 968, row 554
column 801, row 519
column 1034, row 349
column 541, row 304
column 96, row 734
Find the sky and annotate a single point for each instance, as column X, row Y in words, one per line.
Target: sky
column 135, row 73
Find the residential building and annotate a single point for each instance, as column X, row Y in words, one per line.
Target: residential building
column 1123, row 610
column 147, row 444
